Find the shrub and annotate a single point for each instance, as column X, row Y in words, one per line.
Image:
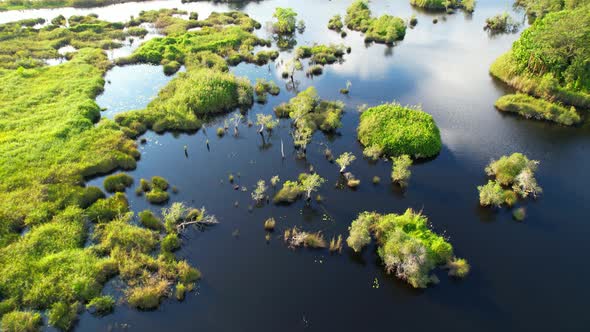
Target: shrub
column 400, row 173
column 186, row 273
column 269, row 224
column 148, row 295
column 117, row 182
column 458, row 267
column 149, row 220
column 21, row 321
column 180, row 291
column 101, row 305
column 286, row 21
column 63, row 315
column 385, row 29
column 491, row 194
column 170, row 243
column 399, row 130
column 376, row 179
column 373, row 152
column 507, row 168
column 315, row 70
column 519, row 214
column 220, row 132
column 289, row 193
column 159, row 182
column 157, row 196
column 335, row 23
column 533, row 108
column 407, row 246
column 501, row 23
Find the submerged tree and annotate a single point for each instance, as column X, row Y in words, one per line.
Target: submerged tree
column 311, row 183
column 344, row 160
column 236, row 119
column 266, row 122
column 302, row 137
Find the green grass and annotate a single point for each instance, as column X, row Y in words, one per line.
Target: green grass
column 101, row 305
column 23, row 46
column 35, row 4
column 399, row 130
column 63, row 315
column 406, row 245
column 21, row 321
column 43, row 169
column 117, row 182
column 289, row 193
column 539, row 109
column 321, row 54
column 188, row 98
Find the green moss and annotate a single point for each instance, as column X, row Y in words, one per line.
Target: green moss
column 117, row 182
column 101, row 305
column 533, row 108
column 63, row 315
column 406, row 245
column 400, row 130
column 21, row 321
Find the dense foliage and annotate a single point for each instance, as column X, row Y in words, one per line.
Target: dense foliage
column 29, row 4
column 385, row 29
column 398, row 130
column 551, row 59
column 406, row 245
column 286, row 21
column 467, row 5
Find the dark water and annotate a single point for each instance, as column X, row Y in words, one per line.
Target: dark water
column 525, row 276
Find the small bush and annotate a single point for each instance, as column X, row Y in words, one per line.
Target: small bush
column 335, row 23
column 117, row 182
column 149, row 220
column 269, row 224
column 289, row 193
column 101, row 305
column 315, row 70
column 180, row 291
column 170, row 243
column 491, row 194
column 159, row 182
column 501, row 23
column 401, row 173
column 220, row 132
column 157, row 196
column 458, row 267
column 147, row 296
column 376, row 179
column 519, row 214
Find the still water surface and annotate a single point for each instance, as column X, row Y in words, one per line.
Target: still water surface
column 525, row 276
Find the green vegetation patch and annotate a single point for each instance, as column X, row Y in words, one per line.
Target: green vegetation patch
column 385, row 29
column 187, row 99
column 308, row 110
column 21, row 45
column 335, row 23
column 117, row 182
column 34, row 4
column 540, row 8
column 398, row 130
column 22, row 321
column 42, row 170
column 467, row 5
column 539, row 109
column 551, row 59
column 321, row 54
column 406, row 245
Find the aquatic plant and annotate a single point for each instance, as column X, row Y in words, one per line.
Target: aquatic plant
column 519, row 214
column 539, row 109
column 491, row 194
column 336, row 244
column 63, row 315
column 289, row 193
column 259, row 193
column 157, row 196
column 269, row 224
column 147, row 296
column 117, row 182
column 106, row 209
column 335, row 23
column 406, row 245
column 275, row 180
column 400, row 173
column 501, row 23
column 376, row 179
column 310, row 183
column 399, row 130
column 296, row 238
column 458, row 267
column 373, row 152
column 266, row 122
column 20, row 321
column 321, row 54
